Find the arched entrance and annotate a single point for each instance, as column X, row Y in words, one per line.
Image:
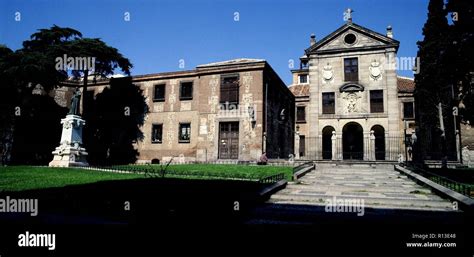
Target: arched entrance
column 327, row 142
column 379, row 133
column 352, row 141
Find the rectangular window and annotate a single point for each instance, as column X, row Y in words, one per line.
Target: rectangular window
column 351, row 69
column 157, row 133
column 376, row 101
column 303, row 79
column 186, row 91
column 184, row 133
column 300, row 113
column 229, row 90
column 159, row 93
column 408, row 112
column 328, row 103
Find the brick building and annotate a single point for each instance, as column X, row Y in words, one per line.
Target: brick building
column 231, row 110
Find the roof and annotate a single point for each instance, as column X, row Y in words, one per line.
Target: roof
column 300, row 90
column 405, row 84
column 231, row 62
column 350, row 25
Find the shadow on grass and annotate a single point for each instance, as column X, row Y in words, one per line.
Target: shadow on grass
column 141, row 201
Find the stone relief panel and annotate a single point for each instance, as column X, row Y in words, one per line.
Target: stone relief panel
column 375, row 69
column 327, row 74
column 351, row 102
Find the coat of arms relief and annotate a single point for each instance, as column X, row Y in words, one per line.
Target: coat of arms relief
column 327, row 73
column 375, row 70
column 352, row 102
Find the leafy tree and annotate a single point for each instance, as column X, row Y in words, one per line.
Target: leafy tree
column 35, row 64
column 462, row 32
column 114, row 121
column 434, row 85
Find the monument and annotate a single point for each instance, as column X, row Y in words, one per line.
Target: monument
column 70, row 152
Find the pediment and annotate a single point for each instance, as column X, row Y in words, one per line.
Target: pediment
column 351, row 87
column 365, row 39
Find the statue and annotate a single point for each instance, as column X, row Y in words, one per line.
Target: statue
column 75, row 100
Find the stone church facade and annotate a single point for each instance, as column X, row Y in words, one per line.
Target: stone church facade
column 350, row 103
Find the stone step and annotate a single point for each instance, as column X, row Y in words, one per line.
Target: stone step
column 370, row 205
column 373, row 201
column 391, row 189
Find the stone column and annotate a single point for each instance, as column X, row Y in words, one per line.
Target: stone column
column 297, row 145
column 372, row 146
column 333, row 146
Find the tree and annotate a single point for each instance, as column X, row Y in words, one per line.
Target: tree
column 462, row 32
column 114, row 123
column 433, row 86
column 35, row 64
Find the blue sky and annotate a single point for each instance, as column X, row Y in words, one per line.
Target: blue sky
column 160, row 33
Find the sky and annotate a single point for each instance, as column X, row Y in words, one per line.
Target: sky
column 158, row 36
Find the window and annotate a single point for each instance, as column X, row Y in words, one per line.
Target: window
column 159, row 93
column 351, row 69
column 186, row 91
column 303, row 78
column 328, row 103
column 350, row 39
column 230, row 90
column 184, row 133
column 408, row 112
column 300, row 113
column 376, row 101
column 157, row 133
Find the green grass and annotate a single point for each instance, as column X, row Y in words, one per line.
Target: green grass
column 19, row 178
column 200, row 171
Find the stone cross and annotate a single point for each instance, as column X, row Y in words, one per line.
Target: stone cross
column 348, row 15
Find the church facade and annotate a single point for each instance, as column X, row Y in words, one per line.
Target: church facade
column 350, row 103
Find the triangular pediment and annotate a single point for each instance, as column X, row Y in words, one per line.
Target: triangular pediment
column 363, row 39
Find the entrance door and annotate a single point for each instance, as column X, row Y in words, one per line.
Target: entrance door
column 327, row 142
column 228, row 140
column 352, row 142
column 379, row 133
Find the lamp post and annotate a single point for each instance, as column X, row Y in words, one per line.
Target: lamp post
column 406, row 142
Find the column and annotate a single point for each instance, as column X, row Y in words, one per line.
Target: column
column 333, row 146
column 372, row 146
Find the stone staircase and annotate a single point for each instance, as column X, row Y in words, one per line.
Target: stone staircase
column 378, row 184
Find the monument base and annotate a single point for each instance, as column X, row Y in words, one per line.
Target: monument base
column 70, row 153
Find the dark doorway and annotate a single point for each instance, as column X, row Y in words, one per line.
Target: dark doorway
column 229, row 140
column 327, row 142
column 302, row 145
column 352, row 142
column 379, row 133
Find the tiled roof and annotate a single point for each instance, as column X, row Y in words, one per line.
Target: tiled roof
column 300, row 90
column 405, row 84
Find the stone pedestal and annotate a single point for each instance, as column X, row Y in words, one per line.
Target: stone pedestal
column 70, row 152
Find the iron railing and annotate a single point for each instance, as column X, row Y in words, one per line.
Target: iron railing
column 465, row 189
column 272, row 179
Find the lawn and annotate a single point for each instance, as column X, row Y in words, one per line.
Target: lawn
column 18, row 178
column 222, row 171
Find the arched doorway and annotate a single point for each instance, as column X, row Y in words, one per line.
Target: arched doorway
column 327, row 142
column 352, row 141
column 379, row 133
